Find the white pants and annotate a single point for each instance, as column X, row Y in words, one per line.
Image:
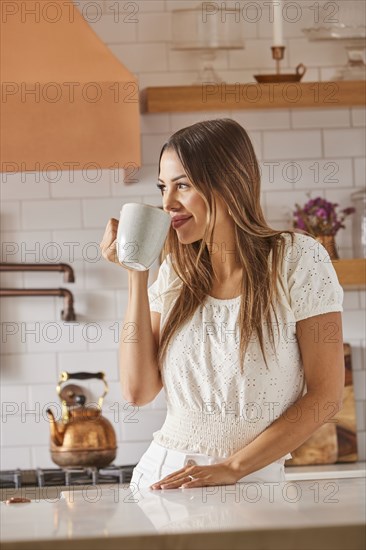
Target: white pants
column 158, row 462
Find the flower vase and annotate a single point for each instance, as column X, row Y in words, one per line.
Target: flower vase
column 328, row 241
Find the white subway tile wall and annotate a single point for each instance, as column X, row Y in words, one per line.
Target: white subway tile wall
column 299, row 144
column 61, row 216
column 50, row 213
column 352, row 143
column 312, row 118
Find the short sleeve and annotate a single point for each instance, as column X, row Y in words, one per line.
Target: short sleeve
column 158, row 291
column 312, row 280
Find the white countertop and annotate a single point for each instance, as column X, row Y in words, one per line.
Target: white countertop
column 232, row 514
column 325, row 471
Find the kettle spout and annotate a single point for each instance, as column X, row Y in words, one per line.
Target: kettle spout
column 57, row 435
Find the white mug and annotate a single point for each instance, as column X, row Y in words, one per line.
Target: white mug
column 142, row 230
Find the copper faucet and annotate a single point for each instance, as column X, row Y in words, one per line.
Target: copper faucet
column 65, row 268
column 67, row 314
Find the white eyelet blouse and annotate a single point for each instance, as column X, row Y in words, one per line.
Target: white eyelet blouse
column 213, row 408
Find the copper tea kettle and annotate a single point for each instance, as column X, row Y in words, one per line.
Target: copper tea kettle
column 83, row 437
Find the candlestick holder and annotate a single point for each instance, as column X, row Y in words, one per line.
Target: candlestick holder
column 278, row 53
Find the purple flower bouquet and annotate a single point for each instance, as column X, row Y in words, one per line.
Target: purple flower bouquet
column 320, row 218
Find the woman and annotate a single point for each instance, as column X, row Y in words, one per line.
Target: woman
column 241, row 320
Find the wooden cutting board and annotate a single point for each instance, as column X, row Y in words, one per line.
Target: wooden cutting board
column 336, row 440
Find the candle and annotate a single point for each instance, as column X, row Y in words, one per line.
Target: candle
column 277, row 23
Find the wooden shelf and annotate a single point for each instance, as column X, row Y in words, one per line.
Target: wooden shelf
column 351, row 273
column 286, row 95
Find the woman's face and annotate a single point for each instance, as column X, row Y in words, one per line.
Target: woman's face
column 181, row 199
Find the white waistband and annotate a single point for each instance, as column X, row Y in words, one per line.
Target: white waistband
column 214, row 434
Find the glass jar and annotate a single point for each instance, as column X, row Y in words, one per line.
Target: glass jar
column 359, row 224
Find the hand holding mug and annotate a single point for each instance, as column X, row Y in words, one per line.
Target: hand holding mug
column 136, row 241
column 108, row 244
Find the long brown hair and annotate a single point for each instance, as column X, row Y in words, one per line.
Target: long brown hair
column 218, row 158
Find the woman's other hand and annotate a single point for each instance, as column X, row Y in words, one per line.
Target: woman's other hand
column 203, row 476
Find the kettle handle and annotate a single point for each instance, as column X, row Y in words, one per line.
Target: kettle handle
column 82, row 375
column 64, row 376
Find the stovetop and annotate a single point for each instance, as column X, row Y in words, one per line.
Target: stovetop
column 57, row 477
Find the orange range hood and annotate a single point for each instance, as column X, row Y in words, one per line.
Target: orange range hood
column 66, row 100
